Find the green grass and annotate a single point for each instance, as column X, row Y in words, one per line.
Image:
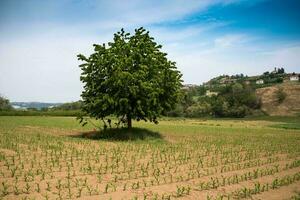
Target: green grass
column 284, row 122
column 174, row 125
column 287, row 126
column 285, row 119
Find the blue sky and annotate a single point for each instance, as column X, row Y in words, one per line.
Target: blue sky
column 40, row 39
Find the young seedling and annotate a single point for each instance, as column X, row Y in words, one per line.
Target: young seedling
column 5, row 189
column 79, row 192
column 38, row 189
column 48, row 188
column 27, row 188
column 16, row 190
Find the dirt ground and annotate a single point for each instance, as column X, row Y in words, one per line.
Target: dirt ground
column 192, row 160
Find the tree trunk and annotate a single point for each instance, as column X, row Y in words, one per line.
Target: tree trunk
column 129, row 122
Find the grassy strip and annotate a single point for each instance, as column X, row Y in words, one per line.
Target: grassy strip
column 287, row 126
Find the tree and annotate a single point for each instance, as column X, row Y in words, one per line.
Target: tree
column 266, row 73
column 234, row 100
column 201, row 90
column 4, row 104
column 130, row 78
column 281, row 70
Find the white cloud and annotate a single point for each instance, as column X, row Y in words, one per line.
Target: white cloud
column 231, row 40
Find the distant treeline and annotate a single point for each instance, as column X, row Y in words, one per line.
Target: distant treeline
column 40, row 113
column 232, row 100
column 67, row 109
column 67, row 106
column 227, row 96
column 223, row 96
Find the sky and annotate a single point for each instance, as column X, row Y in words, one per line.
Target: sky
column 39, row 40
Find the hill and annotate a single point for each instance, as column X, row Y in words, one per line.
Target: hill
column 270, row 103
column 273, row 93
column 268, row 78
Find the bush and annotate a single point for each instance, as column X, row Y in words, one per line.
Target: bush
column 177, row 112
column 77, row 105
column 218, row 107
column 280, row 95
column 198, row 110
column 238, row 111
column 233, row 100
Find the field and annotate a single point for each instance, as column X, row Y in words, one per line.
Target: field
column 56, row 158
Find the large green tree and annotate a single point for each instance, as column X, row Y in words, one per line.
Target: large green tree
column 130, row 78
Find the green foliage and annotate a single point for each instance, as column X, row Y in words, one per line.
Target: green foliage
column 199, row 109
column 273, row 78
column 280, row 95
column 233, row 100
column 69, row 106
column 281, row 70
column 178, row 111
column 130, row 78
column 201, row 90
column 4, row 104
column 67, row 109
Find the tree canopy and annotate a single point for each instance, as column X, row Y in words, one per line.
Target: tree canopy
column 130, row 78
column 4, row 104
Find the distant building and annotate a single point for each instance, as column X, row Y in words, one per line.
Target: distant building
column 227, row 80
column 294, row 78
column 259, row 81
column 275, row 71
column 247, row 82
column 210, row 94
column 191, row 85
column 188, row 86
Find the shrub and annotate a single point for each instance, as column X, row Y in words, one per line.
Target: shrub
column 4, row 104
column 198, row 110
column 238, row 111
column 280, row 95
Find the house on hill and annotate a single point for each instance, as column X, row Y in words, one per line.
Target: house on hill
column 259, row 82
column 227, row 80
column 189, row 86
column 210, row 94
column 247, row 82
column 274, row 71
column 294, row 78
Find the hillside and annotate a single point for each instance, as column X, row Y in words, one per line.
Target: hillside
column 274, row 92
column 289, row 106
